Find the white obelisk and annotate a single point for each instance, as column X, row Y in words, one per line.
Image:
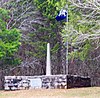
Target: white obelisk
column 48, row 62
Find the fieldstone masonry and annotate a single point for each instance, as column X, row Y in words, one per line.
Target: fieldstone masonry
column 52, row 81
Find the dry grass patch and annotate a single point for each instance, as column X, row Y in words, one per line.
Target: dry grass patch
column 92, row 92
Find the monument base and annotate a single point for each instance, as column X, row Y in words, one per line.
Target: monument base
column 52, row 82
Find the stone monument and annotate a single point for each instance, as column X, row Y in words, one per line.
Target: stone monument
column 47, row 81
column 48, row 62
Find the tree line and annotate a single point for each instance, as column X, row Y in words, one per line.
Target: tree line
column 28, row 25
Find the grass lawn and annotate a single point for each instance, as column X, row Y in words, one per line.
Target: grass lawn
column 92, row 92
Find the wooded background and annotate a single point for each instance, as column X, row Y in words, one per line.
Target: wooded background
column 26, row 26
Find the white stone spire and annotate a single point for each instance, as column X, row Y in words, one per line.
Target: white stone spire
column 48, row 62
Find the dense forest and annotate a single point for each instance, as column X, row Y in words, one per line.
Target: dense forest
column 26, row 26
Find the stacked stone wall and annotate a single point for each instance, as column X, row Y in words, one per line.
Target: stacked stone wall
column 53, row 81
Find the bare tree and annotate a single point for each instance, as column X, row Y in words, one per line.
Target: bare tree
column 90, row 14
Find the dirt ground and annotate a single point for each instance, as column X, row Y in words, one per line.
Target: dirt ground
column 93, row 92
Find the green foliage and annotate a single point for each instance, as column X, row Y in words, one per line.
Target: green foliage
column 48, row 33
column 76, row 32
column 81, row 53
column 9, row 38
column 4, row 14
column 9, row 42
column 40, row 48
column 55, row 48
column 50, row 8
column 12, row 61
column 84, row 54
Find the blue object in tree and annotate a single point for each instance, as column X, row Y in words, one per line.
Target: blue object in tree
column 62, row 15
